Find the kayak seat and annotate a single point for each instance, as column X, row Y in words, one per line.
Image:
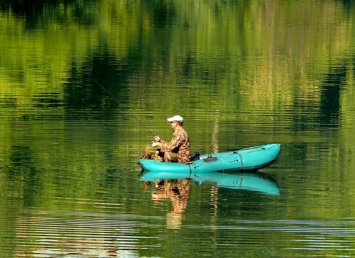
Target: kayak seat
column 210, row 159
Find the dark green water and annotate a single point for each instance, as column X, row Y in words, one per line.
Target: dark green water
column 83, row 87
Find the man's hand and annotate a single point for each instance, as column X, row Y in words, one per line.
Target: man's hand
column 156, row 145
column 157, row 138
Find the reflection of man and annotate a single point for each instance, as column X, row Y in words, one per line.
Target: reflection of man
column 180, row 195
column 178, row 149
column 176, row 190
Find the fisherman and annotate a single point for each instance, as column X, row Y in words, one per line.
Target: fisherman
column 178, row 149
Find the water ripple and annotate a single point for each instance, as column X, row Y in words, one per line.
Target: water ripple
column 81, row 235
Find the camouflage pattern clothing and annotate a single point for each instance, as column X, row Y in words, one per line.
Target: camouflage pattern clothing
column 178, row 149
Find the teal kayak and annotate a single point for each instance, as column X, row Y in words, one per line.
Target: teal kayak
column 247, row 159
column 257, row 182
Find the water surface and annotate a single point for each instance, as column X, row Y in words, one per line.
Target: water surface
column 85, row 86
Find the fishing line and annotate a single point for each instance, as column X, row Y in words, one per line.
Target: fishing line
column 112, row 96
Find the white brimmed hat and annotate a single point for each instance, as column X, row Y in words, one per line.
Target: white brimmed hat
column 175, row 118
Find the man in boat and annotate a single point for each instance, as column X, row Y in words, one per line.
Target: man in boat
column 178, row 149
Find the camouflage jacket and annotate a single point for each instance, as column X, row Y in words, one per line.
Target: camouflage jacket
column 179, row 144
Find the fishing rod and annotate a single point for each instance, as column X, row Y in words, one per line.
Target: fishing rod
column 112, row 96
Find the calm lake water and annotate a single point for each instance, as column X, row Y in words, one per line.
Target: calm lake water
column 83, row 87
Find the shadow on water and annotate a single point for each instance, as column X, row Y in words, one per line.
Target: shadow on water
column 91, row 91
column 35, row 11
column 332, row 85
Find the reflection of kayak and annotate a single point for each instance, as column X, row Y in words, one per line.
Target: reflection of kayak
column 258, row 182
column 240, row 160
column 244, row 181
